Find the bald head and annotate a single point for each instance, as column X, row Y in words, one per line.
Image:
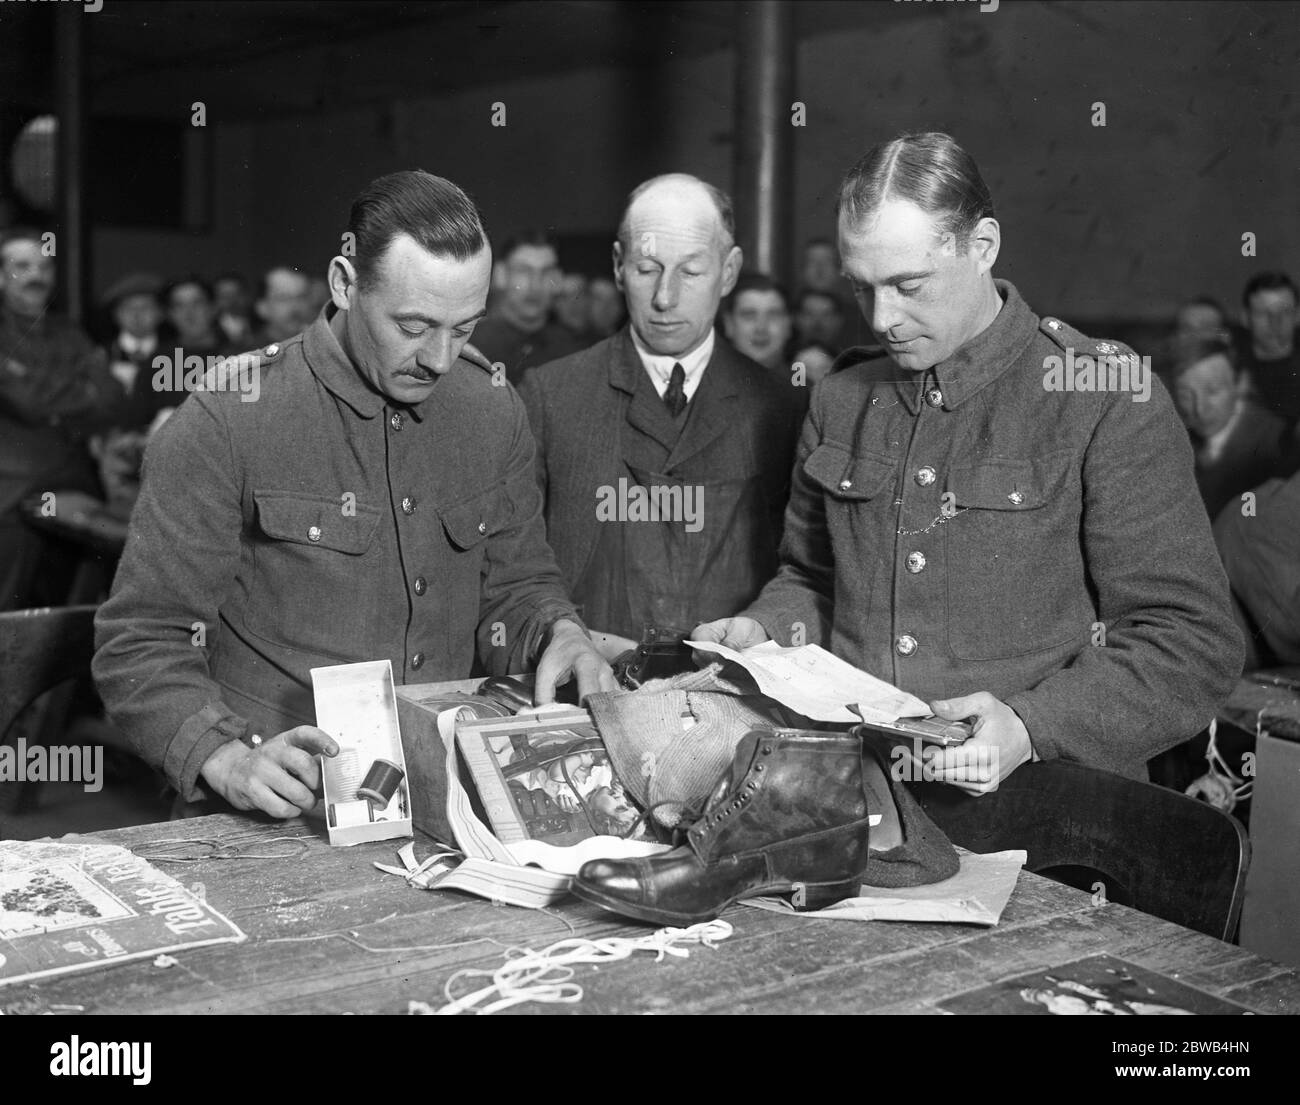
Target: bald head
column 679, row 196
column 674, row 260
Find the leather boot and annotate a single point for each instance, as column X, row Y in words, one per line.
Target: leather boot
column 789, row 814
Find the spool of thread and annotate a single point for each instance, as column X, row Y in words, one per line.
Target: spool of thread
column 381, row 783
column 342, row 773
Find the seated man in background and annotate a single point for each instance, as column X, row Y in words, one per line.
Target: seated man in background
column 1031, row 556
column 664, row 454
column 573, row 307
column 1260, row 547
column 606, row 311
column 1238, row 443
column 756, row 320
column 282, row 305
column 377, row 501
column 820, row 267
column 55, row 390
column 136, row 310
column 819, row 317
column 1201, row 317
column 234, row 309
column 1269, row 358
column 519, row 332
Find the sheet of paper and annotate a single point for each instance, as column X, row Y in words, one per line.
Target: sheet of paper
column 812, row 682
column 976, row 895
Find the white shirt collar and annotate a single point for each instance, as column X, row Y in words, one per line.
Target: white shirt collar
column 660, row 368
column 1214, row 444
column 137, row 347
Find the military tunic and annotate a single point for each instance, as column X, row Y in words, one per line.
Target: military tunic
column 973, row 528
column 320, row 524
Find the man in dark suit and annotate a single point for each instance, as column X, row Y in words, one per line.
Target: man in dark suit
column 1239, row 443
column 664, row 454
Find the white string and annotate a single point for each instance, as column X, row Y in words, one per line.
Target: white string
column 546, row 976
column 1238, row 789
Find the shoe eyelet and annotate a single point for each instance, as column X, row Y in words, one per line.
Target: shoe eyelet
column 758, row 767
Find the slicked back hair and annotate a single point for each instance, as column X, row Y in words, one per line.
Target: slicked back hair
column 430, row 209
column 721, row 201
column 930, row 170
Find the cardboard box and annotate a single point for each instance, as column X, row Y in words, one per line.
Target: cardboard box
column 356, row 704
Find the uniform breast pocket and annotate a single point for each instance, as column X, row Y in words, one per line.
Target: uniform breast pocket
column 849, row 481
column 470, row 526
column 1015, row 566
column 315, row 585
column 857, row 494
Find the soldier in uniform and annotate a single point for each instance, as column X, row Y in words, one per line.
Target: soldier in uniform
column 1031, row 557
column 371, row 496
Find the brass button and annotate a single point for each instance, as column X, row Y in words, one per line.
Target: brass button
column 396, row 420
column 934, row 397
column 845, row 484
column 421, row 585
column 1016, row 498
column 408, row 505
column 417, row 659
column 905, row 645
column 313, row 534
column 925, row 476
column 482, row 527
column 915, row 562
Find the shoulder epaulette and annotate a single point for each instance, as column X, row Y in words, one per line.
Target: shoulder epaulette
column 1067, row 337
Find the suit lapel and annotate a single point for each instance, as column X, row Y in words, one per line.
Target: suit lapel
column 649, row 414
column 712, row 406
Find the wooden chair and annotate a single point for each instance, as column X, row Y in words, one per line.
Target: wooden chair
column 1150, row 848
column 39, row 649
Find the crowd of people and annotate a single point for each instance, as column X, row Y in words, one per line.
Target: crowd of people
column 609, row 370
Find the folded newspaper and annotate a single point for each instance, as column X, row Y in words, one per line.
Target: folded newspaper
column 73, row 907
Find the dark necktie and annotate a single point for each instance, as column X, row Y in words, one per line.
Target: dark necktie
column 675, row 396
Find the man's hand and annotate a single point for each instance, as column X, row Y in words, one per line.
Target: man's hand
column 570, row 653
column 736, row 633
column 280, row 777
column 1000, row 744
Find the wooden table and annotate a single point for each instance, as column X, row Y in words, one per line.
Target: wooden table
column 772, row 964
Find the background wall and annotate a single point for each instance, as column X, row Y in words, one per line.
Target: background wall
column 1200, row 145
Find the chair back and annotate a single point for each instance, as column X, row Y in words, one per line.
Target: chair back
column 1148, row 847
column 39, row 649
